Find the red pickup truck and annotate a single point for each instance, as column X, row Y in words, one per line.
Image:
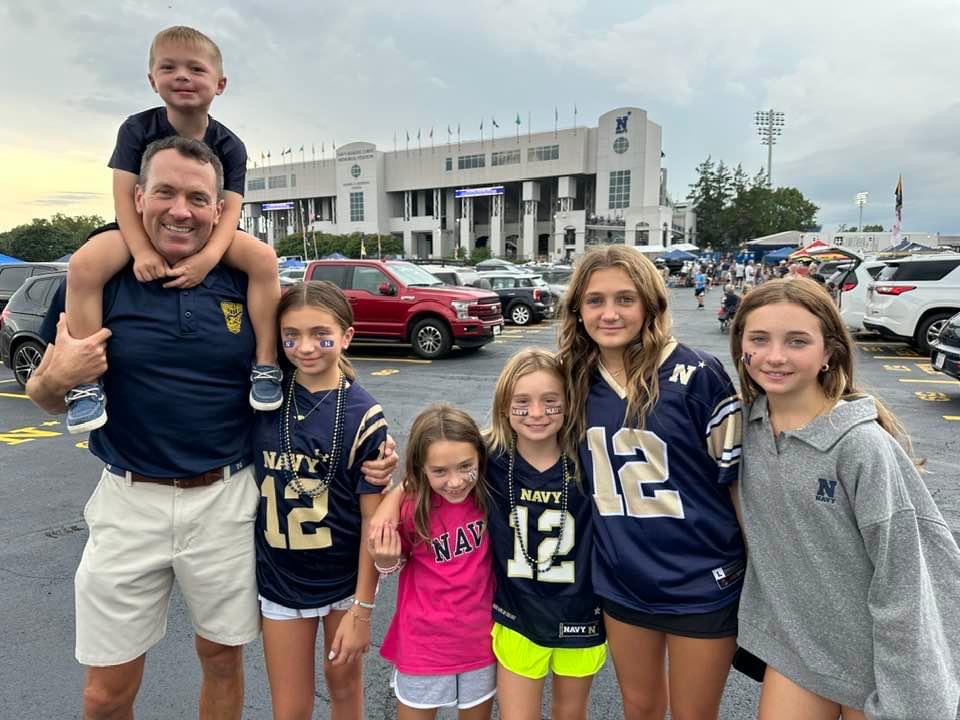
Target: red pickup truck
column 397, row 302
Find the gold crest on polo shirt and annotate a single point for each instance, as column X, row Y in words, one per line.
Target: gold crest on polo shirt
column 232, row 315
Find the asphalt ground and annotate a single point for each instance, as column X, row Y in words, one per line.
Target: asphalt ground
column 47, row 475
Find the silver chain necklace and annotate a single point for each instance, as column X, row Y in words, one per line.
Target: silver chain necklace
column 296, row 408
column 336, row 441
column 534, row 563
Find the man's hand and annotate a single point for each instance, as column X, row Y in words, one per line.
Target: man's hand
column 379, row 472
column 149, row 265
column 68, row 362
column 190, row 271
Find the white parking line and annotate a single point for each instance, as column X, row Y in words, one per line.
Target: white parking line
column 386, row 360
column 10, row 380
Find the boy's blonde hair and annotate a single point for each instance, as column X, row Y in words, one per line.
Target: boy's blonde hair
column 183, row 35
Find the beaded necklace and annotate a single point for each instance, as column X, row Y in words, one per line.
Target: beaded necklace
column 534, row 563
column 336, row 441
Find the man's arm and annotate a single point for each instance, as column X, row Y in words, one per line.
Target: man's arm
column 68, row 362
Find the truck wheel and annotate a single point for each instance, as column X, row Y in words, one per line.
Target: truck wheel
column 25, row 360
column 431, row 338
column 521, row 314
column 929, row 331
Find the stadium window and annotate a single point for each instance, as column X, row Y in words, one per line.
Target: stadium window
column 619, row 189
column 543, row 153
column 507, row 157
column 257, row 183
column 468, row 162
column 356, row 207
column 277, row 181
column 293, row 180
column 449, row 165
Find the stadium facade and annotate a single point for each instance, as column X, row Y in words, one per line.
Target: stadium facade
column 545, row 195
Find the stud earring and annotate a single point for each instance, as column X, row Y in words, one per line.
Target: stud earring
column 825, row 368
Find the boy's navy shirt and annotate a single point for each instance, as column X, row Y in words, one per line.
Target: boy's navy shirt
column 178, row 374
column 145, row 127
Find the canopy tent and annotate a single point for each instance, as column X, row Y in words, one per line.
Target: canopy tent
column 772, row 258
column 65, row 258
column 802, row 252
column 679, row 255
column 334, row 256
column 5, row 259
column 292, row 263
column 685, row 247
column 906, row 247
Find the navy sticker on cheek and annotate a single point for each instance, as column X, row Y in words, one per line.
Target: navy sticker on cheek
column 326, row 344
column 519, row 411
column 553, row 410
column 289, row 344
column 747, row 357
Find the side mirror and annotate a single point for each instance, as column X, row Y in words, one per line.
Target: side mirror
column 386, row 289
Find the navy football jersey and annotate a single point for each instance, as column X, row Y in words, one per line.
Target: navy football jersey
column 308, row 548
column 667, row 538
column 555, row 606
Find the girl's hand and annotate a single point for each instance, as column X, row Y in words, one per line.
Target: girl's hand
column 190, row 271
column 379, row 472
column 353, row 637
column 386, row 516
column 385, row 545
column 149, row 265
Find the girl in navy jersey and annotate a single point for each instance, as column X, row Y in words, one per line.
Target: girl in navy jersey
column 852, row 592
column 439, row 638
column 657, row 425
column 314, row 509
column 547, row 617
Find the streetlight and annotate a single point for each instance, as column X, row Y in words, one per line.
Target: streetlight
column 769, row 124
column 861, row 199
column 456, row 247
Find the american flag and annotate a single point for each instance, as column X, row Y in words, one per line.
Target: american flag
column 898, row 195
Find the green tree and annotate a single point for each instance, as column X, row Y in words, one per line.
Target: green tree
column 873, row 228
column 48, row 239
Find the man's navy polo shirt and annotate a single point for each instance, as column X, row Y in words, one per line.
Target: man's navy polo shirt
column 141, row 129
column 178, row 376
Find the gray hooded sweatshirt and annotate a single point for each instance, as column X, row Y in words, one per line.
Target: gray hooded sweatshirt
column 852, row 588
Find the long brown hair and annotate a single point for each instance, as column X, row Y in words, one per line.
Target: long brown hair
column 436, row 423
column 579, row 355
column 838, row 381
column 324, row 296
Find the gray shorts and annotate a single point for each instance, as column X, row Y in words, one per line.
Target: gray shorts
column 462, row 690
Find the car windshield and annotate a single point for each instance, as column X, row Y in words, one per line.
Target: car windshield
column 413, row 276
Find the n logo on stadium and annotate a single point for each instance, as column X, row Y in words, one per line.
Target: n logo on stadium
column 682, row 373
column 826, row 491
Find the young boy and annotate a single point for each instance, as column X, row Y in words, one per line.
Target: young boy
column 186, row 70
column 699, row 287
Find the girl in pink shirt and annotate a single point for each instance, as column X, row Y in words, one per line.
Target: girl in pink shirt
column 439, row 638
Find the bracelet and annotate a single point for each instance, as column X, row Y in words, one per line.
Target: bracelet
column 390, row 570
column 357, row 617
column 364, row 605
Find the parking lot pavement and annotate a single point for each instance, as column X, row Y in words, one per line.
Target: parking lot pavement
column 47, row 476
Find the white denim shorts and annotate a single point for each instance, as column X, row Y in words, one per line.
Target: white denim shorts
column 275, row 611
column 462, row 690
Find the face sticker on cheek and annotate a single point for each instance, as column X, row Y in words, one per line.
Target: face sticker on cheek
column 289, row 344
column 747, row 357
column 326, row 344
column 519, row 411
column 553, row 410
column 472, row 475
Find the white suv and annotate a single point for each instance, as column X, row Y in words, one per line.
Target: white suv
column 913, row 297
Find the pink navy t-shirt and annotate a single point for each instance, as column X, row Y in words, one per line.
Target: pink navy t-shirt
column 443, row 619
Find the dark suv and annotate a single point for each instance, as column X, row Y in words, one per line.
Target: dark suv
column 525, row 298
column 13, row 275
column 399, row 302
column 20, row 344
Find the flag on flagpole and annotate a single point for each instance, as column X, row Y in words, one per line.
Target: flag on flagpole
column 898, row 210
column 449, row 134
column 419, row 149
column 556, row 120
column 408, row 140
column 574, row 118
column 458, row 136
column 363, row 248
column 495, row 123
column 517, row 123
column 431, row 147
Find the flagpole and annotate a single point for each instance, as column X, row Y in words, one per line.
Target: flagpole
column 529, row 123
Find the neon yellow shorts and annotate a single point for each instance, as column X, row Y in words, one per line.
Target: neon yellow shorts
column 525, row 658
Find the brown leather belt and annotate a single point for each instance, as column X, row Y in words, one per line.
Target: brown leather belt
column 207, row 478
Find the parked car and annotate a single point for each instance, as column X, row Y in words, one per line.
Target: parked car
column 914, row 297
column 452, row 274
column 12, row 276
column 849, row 288
column 525, row 298
column 21, row 346
column 945, row 352
column 398, row 302
column 498, row 265
column 294, row 274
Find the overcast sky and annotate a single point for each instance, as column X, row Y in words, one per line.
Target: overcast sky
column 869, row 88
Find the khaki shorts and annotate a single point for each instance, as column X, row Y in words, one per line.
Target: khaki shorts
column 145, row 535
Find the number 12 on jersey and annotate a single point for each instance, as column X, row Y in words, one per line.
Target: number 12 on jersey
column 549, row 519
column 633, row 474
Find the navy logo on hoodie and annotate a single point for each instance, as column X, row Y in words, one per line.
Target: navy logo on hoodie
column 826, row 491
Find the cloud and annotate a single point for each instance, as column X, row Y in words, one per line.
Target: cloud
column 68, row 198
column 438, row 82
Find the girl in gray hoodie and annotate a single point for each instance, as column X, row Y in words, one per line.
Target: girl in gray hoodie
column 852, row 589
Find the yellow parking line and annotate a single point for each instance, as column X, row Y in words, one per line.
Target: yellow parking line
column 954, row 418
column 415, row 361
column 880, row 344
column 24, row 397
column 897, row 357
column 931, row 382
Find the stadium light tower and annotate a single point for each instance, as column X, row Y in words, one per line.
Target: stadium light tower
column 769, row 124
column 861, row 199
